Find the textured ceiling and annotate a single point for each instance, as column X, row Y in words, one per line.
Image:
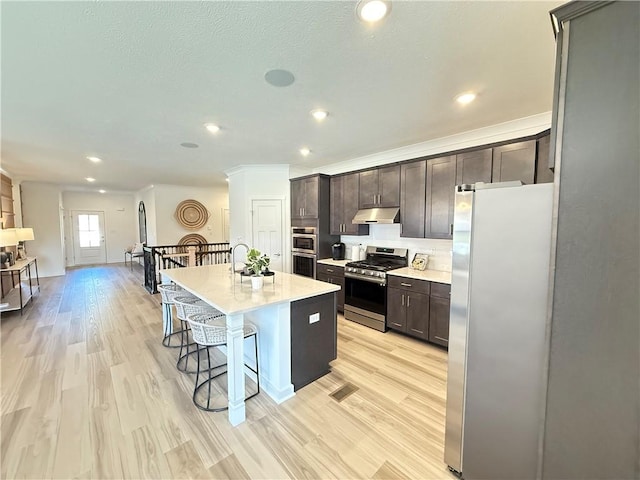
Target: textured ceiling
column 130, row 81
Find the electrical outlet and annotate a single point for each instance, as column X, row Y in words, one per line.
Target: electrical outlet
column 315, row 317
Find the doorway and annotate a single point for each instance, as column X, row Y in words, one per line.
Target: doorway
column 267, row 230
column 88, row 237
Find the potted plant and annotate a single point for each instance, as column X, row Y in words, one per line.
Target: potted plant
column 256, row 264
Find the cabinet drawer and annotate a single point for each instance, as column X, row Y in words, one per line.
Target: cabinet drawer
column 410, row 284
column 329, row 270
column 440, row 290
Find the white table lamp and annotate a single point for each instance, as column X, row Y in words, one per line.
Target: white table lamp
column 8, row 237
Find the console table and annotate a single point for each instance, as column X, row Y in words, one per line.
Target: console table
column 23, row 287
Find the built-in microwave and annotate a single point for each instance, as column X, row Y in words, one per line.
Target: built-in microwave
column 303, row 240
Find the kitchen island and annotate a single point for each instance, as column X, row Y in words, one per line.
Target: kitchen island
column 270, row 309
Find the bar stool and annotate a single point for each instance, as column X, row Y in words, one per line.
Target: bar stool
column 209, row 330
column 168, row 291
column 188, row 305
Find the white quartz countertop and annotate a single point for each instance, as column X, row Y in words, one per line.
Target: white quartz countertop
column 429, row 275
column 232, row 294
column 335, row 263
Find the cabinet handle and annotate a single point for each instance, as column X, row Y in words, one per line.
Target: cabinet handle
column 451, row 229
column 329, row 270
column 408, row 300
column 403, row 300
column 405, row 284
column 417, row 331
column 379, row 198
column 374, row 199
column 396, row 324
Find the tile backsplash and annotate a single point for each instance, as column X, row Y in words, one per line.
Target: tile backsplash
column 439, row 251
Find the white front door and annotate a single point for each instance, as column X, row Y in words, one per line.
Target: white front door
column 267, row 230
column 88, row 237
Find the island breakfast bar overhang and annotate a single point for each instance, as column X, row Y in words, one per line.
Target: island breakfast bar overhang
column 269, row 308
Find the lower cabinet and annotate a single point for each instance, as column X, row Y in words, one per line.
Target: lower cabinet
column 334, row 275
column 419, row 308
column 439, row 314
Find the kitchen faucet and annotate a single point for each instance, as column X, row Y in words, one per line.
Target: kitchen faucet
column 233, row 252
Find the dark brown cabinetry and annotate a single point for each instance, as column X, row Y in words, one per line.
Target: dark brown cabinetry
column 334, row 275
column 344, row 205
column 515, row 161
column 543, row 173
column 441, row 180
column 439, row 304
column 305, row 197
column 412, row 198
column 419, row 308
column 475, row 166
column 408, row 306
column 380, row 187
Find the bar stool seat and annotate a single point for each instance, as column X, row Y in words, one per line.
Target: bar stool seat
column 188, row 305
column 209, row 330
column 168, row 292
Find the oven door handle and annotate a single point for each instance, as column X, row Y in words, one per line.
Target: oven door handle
column 377, row 280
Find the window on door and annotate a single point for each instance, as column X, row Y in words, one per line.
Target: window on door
column 89, row 231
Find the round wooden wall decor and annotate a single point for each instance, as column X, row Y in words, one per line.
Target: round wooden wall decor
column 192, row 214
column 192, row 239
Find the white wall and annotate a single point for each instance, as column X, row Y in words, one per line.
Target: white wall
column 167, row 197
column 120, row 220
column 439, row 251
column 41, row 210
column 253, row 182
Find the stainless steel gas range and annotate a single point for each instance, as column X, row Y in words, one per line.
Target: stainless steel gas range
column 366, row 286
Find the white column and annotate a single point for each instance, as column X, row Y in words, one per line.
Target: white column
column 235, row 367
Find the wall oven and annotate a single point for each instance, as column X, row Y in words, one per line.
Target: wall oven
column 304, row 240
column 304, row 264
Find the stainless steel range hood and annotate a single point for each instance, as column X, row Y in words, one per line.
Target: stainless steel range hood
column 367, row 216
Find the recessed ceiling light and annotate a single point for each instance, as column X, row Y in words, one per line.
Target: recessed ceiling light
column 373, row 10
column 189, row 145
column 305, row 151
column 279, row 78
column 465, row 98
column 94, row 159
column 90, row 179
column 212, row 127
column 319, row 114
column 102, row 191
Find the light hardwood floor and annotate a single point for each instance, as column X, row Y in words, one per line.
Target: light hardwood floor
column 89, row 392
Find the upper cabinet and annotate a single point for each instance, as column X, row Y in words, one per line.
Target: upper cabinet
column 441, row 180
column 473, row 167
column 305, row 197
column 515, row 161
column 412, row 198
column 543, row 173
column 380, row 187
column 344, row 205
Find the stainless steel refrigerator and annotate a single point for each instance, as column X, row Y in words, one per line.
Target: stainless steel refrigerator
column 497, row 346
